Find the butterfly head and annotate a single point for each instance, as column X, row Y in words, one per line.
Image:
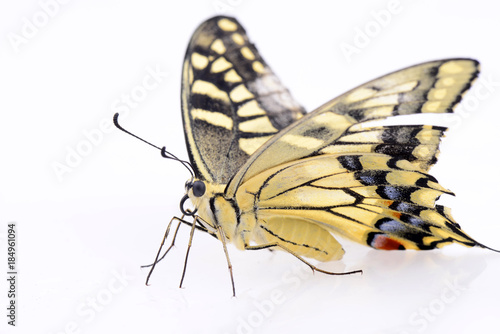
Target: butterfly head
column 195, row 191
column 201, row 194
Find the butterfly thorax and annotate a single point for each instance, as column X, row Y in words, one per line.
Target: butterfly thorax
column 213, row 208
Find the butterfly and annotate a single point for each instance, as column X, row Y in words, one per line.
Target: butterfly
column 266, row 174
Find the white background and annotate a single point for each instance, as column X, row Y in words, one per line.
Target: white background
column 83, row 235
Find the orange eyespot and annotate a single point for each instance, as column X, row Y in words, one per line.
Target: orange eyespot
column 381, row 241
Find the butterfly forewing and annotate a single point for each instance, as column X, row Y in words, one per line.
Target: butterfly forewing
column 434, row 87
column 419, row 144
column 232, row 102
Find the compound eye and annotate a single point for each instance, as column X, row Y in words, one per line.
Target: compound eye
column 198, row 188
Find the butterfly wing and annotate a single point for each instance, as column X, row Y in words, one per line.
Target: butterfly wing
column 367, row 184
column 370, row 198
column 231, row 100
column 433, row 87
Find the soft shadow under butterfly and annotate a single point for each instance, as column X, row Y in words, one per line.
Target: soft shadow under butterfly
column 266, row 174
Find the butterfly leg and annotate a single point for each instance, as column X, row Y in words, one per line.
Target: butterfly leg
column 229, row 265
column 157, row 258
column 221, row 237
column 191, row 234
column 217, row 232
column 162, row 243
column 313, row 267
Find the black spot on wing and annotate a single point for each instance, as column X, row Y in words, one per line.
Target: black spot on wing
column 205, row 102
column 393, row 163
column 318, row 133
column 357, row 114
column 372, row 177
column 414, row 221
column 396, row 228
column 401, row 135
column 396, row 193
column 423, row 181
column 375, row 88
column 400, row 151
column 350, row 162
column 242, row 65
column 406, row 207
column 433, row 71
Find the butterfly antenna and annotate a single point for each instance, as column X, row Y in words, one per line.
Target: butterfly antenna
column 164, row 152
column 168, row 155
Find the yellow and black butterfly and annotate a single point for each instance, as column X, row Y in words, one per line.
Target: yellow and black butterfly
column 266, row 174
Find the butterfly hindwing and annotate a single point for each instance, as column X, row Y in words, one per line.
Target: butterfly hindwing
column 232, row 101
column 370, row 198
